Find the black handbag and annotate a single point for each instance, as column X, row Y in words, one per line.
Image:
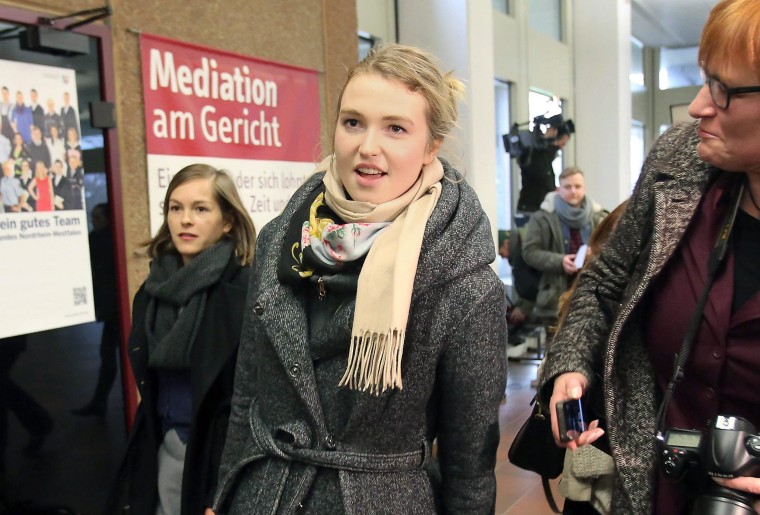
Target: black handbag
column 534, row 449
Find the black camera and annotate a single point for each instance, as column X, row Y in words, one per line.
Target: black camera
column 519, row 142
column 729, row 449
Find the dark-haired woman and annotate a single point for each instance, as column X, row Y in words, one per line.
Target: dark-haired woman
column 183, row 345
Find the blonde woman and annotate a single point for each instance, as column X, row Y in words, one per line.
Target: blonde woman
column 375, row 324
column 41, row 188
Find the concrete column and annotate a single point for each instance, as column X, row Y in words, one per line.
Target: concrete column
column 460, row 34
column 603, row 97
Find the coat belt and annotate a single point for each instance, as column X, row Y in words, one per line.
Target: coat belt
column 340, row 459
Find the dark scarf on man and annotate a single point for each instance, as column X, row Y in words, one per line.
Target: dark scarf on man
column 177, row 302
column 574, row 217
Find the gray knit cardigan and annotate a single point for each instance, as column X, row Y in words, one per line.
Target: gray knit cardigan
column 603, row 336
column 284, row 452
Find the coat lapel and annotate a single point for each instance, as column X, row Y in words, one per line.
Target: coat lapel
column 284, row 320
column 675, row 202
column 219, row 335
column 283, row 316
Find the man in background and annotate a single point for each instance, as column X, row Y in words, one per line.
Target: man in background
column 12, row 194
column 37, row 148
column 554, row 235
column 38, row 113
column 536, row 171
column 69, row 116
column 106, row 309
column 66, row 194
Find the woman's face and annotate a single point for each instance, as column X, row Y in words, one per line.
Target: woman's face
column 381, row 138
column 72, row 134
column 729, row 138
column 53, row 132
column 195, row 219
column 18, row 139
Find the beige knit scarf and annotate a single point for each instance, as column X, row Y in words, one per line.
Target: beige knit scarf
column 384, row 291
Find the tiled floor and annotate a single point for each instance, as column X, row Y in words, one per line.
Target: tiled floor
column 77, row 461
column 519, row 492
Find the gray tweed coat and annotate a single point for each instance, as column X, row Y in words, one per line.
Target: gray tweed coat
column 288, row 452
column 604, row 334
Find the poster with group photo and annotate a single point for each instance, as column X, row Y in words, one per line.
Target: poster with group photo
column 45, row 271
column 256, row 119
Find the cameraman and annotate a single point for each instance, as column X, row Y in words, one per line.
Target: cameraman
column 536, row 162
column 633, row 304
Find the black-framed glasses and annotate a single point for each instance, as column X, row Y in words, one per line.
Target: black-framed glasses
column 721, row 94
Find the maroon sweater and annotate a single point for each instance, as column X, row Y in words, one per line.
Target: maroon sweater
column 722, row 374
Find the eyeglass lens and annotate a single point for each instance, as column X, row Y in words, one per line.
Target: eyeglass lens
column 718, row 92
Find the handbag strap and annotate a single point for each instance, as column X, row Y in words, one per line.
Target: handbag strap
column 549, row 495
column 545, row 480
column 717, row 256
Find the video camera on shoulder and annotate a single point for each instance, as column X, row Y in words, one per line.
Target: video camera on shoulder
column 730, row 448
column 518, row 142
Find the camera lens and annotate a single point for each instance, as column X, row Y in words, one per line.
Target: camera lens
column 723, row 501
column 753, row 446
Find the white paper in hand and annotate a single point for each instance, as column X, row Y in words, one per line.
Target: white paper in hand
column 580, row 256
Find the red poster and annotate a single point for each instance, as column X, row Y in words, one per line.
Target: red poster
column 200, row 101
column 258, row 119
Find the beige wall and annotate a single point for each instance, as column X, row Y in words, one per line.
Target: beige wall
column 292, row 32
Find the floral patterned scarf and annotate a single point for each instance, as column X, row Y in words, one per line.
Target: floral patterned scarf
column 389, row 238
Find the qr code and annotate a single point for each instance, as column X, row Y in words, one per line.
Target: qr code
column 80, row 296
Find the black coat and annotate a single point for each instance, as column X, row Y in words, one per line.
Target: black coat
column 537, row 177
column 70, row 196
column 38, row 117
column 297, row 443
column 212, row 369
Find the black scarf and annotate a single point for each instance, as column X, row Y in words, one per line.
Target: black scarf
column 177, row 302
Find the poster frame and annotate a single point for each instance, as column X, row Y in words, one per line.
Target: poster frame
column 102, row 35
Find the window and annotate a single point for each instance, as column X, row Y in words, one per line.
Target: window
column 366, row 42
column 503, row 169
column 501, row 6
column 545, row 16
column 637, row 66
column 637, row 150
column 679, row 68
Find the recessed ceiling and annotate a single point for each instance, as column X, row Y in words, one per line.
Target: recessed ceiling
column 669, row 23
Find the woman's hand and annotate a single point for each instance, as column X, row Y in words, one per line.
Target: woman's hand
column 208, row 511
column 571, row 385
column 745, row 484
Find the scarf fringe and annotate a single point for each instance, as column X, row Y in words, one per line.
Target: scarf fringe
column 374, row 362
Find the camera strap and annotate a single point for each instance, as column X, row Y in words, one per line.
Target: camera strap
column 717, row 256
